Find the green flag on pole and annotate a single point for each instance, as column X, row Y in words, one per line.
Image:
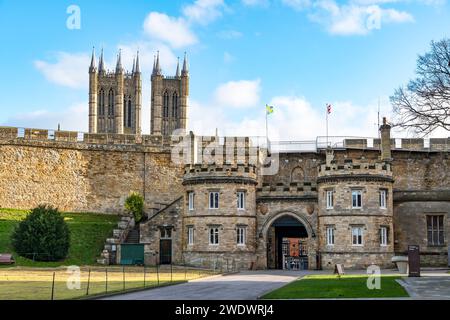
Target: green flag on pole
column 269, row 109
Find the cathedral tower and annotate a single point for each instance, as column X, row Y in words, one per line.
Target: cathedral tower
column 169, row 99
column 114, row 98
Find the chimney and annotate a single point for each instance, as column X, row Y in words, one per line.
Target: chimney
column 385, row 130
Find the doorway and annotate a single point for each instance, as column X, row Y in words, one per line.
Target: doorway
column 287, row 244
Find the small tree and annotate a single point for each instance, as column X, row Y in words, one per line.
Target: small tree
column 43, row 235
column 135, row 204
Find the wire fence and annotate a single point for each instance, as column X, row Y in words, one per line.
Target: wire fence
column 84, row 282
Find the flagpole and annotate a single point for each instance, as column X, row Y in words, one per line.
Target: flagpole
column 267, row 129
column 326, row 110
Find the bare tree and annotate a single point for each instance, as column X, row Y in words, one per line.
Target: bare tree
column 424, row 104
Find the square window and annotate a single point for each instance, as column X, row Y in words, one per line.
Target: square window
column 214, row 200
column 435, row 230
column 356, row 199
column 357, row 236
column 213, row 236
column 241, row 235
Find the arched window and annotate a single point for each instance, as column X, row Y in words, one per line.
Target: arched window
column 166, row 105
column 175, row 105
column 129, row 113
column 124, row 111
column 101, row 102
column 111, row 102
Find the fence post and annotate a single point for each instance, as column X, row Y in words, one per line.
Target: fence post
column 185, row 271
column 171, row 272
column 123, row 272
column 157, row 273
column 89, row 281
column 53, row 285
column 144, row 275
column 106, row 284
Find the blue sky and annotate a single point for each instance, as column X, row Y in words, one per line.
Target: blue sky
column 295, row 54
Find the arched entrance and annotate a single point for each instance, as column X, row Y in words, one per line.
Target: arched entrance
column 287, row 244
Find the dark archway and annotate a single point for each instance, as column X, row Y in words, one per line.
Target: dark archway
column 287, row 240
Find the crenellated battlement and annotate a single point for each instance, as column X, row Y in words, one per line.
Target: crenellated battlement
column 350, row 170
column 220, row 173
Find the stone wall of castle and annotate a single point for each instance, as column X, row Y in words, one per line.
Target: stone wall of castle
column 85, row 178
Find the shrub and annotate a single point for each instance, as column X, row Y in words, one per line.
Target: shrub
column 135, row 204
column 42, row 236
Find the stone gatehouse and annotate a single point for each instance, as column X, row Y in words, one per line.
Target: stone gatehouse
column 231, row 201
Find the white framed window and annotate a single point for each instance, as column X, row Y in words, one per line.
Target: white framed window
column 241, row 200
column 20, row 132
column 214, row 236
column 383, row 236
column 190, row 236
column 51, row 134
column 357, row 236
column 330, row 200
column 241, row 236
column 330, row 236
column 383, row 197
column 191, row 199
column 214, row 200
column 356, row 199
column 80, row 137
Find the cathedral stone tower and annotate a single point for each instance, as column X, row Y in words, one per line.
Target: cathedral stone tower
column 115, row 100
column 169, row 99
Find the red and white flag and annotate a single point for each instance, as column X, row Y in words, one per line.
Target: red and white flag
column 328, row 108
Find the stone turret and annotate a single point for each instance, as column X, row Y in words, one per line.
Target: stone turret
column 220, row 212
column 115, row 98
column 355, row 200
column 169, row 102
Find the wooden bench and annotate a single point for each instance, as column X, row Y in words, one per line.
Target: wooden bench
column 6, row 258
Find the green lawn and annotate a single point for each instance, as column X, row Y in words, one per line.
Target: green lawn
column 330, row 286
column 25, row 283
column 88, row 232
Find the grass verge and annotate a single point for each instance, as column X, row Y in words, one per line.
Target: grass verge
column 333, row 286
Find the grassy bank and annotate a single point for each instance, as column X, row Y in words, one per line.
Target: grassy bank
column 331, row 286
column 88, row 232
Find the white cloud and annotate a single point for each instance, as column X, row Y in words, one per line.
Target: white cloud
column 204, row 11
column 355, row 19
column 74, row 118
column 294, row 118
column 238, row 94
column 229, row 34
column 69, row 70
column 174, row 31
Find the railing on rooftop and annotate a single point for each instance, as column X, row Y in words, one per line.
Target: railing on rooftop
column 321, row 142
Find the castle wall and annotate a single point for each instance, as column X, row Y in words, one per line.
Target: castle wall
column 84, row 178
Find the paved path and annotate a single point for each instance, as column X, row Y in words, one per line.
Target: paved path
column 428, row 287
column 247, row 285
